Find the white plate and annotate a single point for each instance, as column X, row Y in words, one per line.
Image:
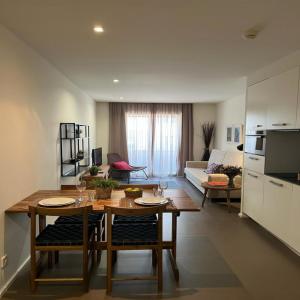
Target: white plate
column 56, row 201
column 151, row 201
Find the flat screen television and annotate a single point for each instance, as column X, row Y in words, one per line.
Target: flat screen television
column 97, row 157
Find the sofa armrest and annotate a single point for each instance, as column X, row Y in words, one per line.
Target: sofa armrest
column 197, row 164
column 218, row 177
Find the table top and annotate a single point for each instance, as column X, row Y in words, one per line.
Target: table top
column 181, row 201
column 206, row 185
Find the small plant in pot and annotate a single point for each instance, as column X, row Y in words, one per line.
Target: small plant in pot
column 231, row 172
column 104, row 187
column 94, row 170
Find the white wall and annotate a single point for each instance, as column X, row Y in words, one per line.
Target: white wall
column 102, row 125
column 229, row 112
column 34, row 99
column 202, row 113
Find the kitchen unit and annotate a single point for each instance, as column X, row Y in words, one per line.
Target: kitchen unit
column 271, row 191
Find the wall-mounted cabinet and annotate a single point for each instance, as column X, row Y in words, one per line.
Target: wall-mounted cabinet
column 256, row 116
column 273, row 103
column 282, row 100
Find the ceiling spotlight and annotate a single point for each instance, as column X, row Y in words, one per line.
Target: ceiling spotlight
column 98, row 29
column 116, row 80
column 121, row 98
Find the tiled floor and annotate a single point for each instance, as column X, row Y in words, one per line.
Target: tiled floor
column 220, row 256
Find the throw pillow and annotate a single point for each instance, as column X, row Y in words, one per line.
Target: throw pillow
column 122, row 165
column 213, row 168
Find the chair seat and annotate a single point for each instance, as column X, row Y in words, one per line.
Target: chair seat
column 134, row 234
column 77, row 219
column 62, row 235
column 134, row 219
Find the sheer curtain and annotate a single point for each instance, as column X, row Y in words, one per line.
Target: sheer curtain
column 139, row 132
column 167, row 138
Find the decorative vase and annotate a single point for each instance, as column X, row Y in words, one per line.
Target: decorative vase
column 230, row 182
column 206, row 154
column 237, row 181
column 103, row 193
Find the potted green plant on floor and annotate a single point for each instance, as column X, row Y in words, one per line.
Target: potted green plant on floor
column 104, row 187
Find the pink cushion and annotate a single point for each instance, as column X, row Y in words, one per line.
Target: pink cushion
column 122, row 165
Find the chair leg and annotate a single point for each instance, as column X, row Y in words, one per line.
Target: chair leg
column 109, row 272
column 33, row 271
column 114, row 256
column 56, row 257
column 85, row 270
column 98, row 238
column 146, row 175
column 159, row 270
column 128, row 178
column 154, row 258
column 50, row 259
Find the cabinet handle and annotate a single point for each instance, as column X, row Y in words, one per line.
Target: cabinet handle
column 253, row 158
column 279, row 124
column 259, row 125
column 252, row 175
column 276, row 183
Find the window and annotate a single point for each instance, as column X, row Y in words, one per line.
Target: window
column 153, row 140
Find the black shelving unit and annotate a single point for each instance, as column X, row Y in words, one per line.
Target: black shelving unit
column 74, row 148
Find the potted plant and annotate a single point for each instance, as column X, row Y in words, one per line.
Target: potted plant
column 94, row 170
column 231, row 172
column 104, row 187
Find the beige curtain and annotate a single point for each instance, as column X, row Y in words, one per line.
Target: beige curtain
column 187, row 137
column 117, row 130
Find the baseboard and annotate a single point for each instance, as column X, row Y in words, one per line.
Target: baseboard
column 12, row 278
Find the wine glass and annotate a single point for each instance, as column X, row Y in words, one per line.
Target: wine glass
column 163, row 184
column 81, row 186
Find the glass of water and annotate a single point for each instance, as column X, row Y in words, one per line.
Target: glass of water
column 81, row 186
column 163, row 185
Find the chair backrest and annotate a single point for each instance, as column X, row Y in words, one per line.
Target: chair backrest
column 113, row 157
column 135, row 212
column 47, row 211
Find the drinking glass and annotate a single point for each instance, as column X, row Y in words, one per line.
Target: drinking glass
column 163, row 184
column 81, row 186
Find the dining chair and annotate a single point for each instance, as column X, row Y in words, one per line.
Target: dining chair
column 61, row 237
column 97, row 220
column 137, row 236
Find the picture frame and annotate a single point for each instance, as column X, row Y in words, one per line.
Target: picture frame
column 229, row 134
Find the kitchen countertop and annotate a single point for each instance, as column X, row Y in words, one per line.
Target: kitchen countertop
column 289, row 177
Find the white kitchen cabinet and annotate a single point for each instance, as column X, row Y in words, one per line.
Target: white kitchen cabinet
column 253, row 194
column 254, row 162
column 294, row 220
column 276, row 206
column 282, row 100
column 256, row 112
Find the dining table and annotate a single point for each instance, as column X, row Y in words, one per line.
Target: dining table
column 179, row 202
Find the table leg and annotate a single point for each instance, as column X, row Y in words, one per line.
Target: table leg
column 204, row 197
column 228, row 201
column 172, row 252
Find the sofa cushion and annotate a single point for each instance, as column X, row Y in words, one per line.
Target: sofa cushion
column 196, row 174
column 233, row 158
column 216, row 156
column 212, row 168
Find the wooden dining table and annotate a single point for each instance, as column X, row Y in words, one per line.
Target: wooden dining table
column 180, row 202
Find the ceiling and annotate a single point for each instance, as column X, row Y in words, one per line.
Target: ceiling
column 160, row 50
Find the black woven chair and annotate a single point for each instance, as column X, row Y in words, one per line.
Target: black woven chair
column 115, row 157
column 62, row 237
column 95, row 219
column 138, row 236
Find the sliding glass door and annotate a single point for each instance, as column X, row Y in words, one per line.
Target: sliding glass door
column 153, row 140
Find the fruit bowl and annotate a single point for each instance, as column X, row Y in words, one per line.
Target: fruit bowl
column 133, row 192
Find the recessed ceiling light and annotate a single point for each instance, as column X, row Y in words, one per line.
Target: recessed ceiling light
column 98, row 29
column 116, row 80
column 121, row 98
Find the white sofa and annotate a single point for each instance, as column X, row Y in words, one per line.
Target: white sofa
column 194, row 171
